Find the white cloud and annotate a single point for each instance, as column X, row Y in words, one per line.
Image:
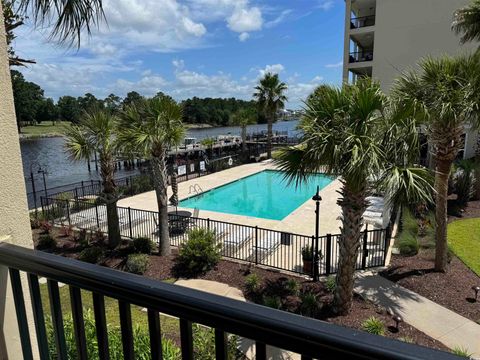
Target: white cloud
column 243, row 36
column 325, row 4
column 317, row 79
column 245, row 19
column 336, row 65
column 274, row 69
column 280, row 18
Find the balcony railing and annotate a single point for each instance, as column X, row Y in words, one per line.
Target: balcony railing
column 364, row 21
column 265, row 326
column 360, row 56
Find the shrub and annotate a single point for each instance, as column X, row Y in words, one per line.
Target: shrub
column 252, row 283
column 408, row 244
column 141, row 340
column 98, row 236
column 66, row 230
column 331, row 284
column 407, row 339
column 409, row 222
column 374, row 326
column 204, row 344
column 199, row 254
column 273, row 302
column 143, row 245
column 460, row 351
column 292, row 286
column 46, row 242
column 137, row 263
column 91, row 255
column 82, row 238
column 309, row 306
column 45, row 226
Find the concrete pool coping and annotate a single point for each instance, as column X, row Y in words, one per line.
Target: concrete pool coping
column 300, row 221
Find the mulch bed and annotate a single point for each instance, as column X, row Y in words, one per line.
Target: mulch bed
column 471, row 211
column 452, row 289
column 234, row 273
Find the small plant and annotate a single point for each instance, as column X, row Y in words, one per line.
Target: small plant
column 307, row 253
column 82, row 238
column 137, row 263
column 34, row 222
column 374, row 326
column 99, row 236
column 461, row 351
column 309, row 306
column 252, row 283
column 331, row 284
column 407, row 339
column 46, row 242
column 45, row 226
column 292, row 286
column 273, row 302
column 199, row 254
column 143, row 245
column 66, row 230
column 408, row 244
column 91, row 255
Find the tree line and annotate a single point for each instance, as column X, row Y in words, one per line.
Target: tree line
column 32, row 107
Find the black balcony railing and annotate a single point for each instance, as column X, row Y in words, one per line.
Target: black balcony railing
column 361, row 56
column 364, row 21
column 264, row 326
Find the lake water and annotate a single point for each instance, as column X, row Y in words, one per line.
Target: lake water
column 50, row 154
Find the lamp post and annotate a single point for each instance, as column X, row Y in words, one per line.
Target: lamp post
column 316, row 257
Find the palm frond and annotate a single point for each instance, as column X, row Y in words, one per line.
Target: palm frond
column 68, row 18
column 466, row 22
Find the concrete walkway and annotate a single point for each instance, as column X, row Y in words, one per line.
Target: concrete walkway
column 246, row 346
column 434, row 320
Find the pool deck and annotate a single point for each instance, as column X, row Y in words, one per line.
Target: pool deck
column 300, row 221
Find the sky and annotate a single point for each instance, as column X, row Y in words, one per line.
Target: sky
column 186, row 48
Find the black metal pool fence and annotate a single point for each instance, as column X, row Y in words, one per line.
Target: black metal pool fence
column 136, row 184
column 253, row 244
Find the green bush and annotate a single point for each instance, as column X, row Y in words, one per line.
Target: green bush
column 307, row 253
column 252, row 283
column 331, row 284
column 204, row 344
column 409, row 222
column 199, row 254
column 46, row 242
column 137, row 263
column 141, row 341
column 292, row 287
column 374, row 326
column 273, row 302
column 408, row 244
column 309, row 304
column 462, row 352
column 91, row 255
column 143, row 245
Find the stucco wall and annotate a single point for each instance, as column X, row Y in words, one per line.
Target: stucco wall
column 14, row 221
column 408, row 30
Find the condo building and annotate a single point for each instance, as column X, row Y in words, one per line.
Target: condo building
column 384, row 38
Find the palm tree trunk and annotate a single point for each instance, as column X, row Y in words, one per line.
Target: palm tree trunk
column 269, row 136
column 160, row 182
column 441, row 189
column 353, row 206
column 107, row 172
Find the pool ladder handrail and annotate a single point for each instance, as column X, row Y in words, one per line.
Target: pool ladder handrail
column 195, row 188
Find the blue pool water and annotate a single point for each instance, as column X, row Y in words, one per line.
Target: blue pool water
column 264, row 195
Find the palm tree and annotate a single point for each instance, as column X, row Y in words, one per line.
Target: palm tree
column 444, row 95
column 243, row 118
column 348, row 133
column 151, row 128
column 270, row 95
column 95, row 134
column 466, row 22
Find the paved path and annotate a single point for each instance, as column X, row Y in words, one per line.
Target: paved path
column 434, row 320
column 246, row 346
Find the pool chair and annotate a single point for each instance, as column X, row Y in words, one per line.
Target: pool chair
column 235, row 238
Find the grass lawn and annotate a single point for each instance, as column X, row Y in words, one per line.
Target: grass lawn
column 45, row 128
column 169, row 325
column 464, row 241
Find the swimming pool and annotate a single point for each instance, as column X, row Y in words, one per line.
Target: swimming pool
column 265, row 194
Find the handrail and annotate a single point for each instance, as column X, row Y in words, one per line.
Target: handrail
column 291, row 332
column 362, row 21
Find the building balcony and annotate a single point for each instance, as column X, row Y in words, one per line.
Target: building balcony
column 262, row 326
column 360, row 56
column 361, row 22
